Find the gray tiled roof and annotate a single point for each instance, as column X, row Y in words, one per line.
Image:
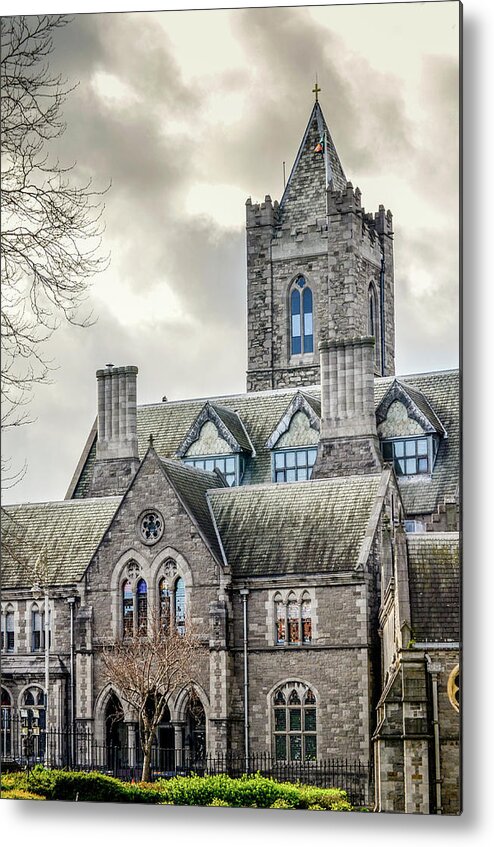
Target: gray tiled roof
column 70, row 530
column 288, row 528
column 423, row 494
column 434, row 578
column 191, row 485
column 261, row 411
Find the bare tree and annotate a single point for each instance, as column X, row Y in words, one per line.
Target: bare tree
column 50, row 228
column 148, row 668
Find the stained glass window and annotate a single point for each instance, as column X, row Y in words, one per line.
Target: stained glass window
column 293, row 621
column 306, row 621
column 295, row 723
column 180, row 605
column 280, row 622
column 127, row 609
column 295, row 323
column 142, row 606
column 164, row 598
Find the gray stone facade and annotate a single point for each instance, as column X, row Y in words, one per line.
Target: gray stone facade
column 300, row 585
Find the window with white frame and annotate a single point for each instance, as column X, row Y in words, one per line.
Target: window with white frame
column 294, row 723
column 301, row 318
column 8, row 635
column 38, row 628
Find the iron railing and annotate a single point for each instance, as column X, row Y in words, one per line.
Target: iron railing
column 21, row 747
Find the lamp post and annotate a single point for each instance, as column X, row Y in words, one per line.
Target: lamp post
column 41, row 585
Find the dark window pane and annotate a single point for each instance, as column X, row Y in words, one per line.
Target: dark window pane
column 310, row 747
column 279, row 698
column 309, row 697
column 310, row 720
column 295, row 748
column 294, row 699
column 295, row 720
column 387, row 449
column 280, row 746
column 309, row 343
column 280, row 720
column 296, row 345
column 301, row 281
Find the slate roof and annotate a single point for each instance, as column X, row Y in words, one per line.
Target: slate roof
column 261, row 411
column 434, row 579
column 70, row 530
column 191, row 485
column 421, row 493
column 285, row 528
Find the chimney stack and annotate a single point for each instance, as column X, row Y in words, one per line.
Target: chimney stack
column 117, row 455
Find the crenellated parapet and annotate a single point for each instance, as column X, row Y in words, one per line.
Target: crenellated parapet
column 262, row 214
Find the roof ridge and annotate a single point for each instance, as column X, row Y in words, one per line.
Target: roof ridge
column 74, row 500
column 294, row 485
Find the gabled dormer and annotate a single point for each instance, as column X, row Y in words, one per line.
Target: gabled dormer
column 293, row 442
column 217, row 439
column 409, row 430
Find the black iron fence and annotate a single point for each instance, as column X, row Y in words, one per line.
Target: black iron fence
column 24, row 747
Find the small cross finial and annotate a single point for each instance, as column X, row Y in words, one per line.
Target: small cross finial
column 316, row 91
column 151, row 440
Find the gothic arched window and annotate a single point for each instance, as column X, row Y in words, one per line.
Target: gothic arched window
column 33, row 720
column 373, row 322
column 127, row 609
column 301, row 318
column 164, row 601
column 37, row 630
column 180, row 605
column 295, row 724
column 142, row 606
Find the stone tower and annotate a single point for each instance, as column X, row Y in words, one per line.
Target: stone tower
column 318, row 267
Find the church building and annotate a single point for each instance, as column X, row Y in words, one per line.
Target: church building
column 308, row 527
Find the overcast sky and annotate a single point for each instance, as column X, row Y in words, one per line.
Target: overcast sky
column 189, row 113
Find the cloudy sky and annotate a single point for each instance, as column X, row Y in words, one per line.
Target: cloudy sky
column 189, row 113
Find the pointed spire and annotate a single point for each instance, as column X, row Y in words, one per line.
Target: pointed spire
column 316, row 167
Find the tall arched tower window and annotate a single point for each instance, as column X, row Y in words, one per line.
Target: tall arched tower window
column 142, row 606
column 301, row 318
column 373, row 324
column 180, row 605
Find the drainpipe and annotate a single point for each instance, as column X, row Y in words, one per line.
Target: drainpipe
column 381, row 310
column 243, row 593
column 71, row 602
column 433, row 670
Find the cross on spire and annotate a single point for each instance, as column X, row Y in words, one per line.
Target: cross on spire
column 316, row 91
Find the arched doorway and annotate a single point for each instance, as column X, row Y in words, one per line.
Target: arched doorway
column 195, row 732
column 115, row 734
column 6, row 726
column 165, row 752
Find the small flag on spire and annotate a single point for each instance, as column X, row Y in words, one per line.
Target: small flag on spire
column 319, row 148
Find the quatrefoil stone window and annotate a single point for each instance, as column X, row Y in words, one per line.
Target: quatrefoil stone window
column 151, row 526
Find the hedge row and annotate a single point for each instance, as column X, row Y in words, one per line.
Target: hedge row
column 248, row 791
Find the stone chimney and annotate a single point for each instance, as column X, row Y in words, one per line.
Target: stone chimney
column 348, row 443
column 117, row 456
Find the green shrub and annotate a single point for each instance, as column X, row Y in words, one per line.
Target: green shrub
column 257, row 791
column 20, row 794
column 218, row 802
column 329, row 799
column 280, row 803
column 92, row 786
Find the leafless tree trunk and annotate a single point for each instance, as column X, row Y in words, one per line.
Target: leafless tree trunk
column 147, row 669
column 50, row 228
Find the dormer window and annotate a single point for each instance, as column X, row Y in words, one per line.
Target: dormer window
column 232, row 467
column 411, row 456
column 301, row 318
column 293, row 465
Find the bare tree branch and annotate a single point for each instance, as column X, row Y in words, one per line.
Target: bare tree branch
column 148, row 668
column 51, row 228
